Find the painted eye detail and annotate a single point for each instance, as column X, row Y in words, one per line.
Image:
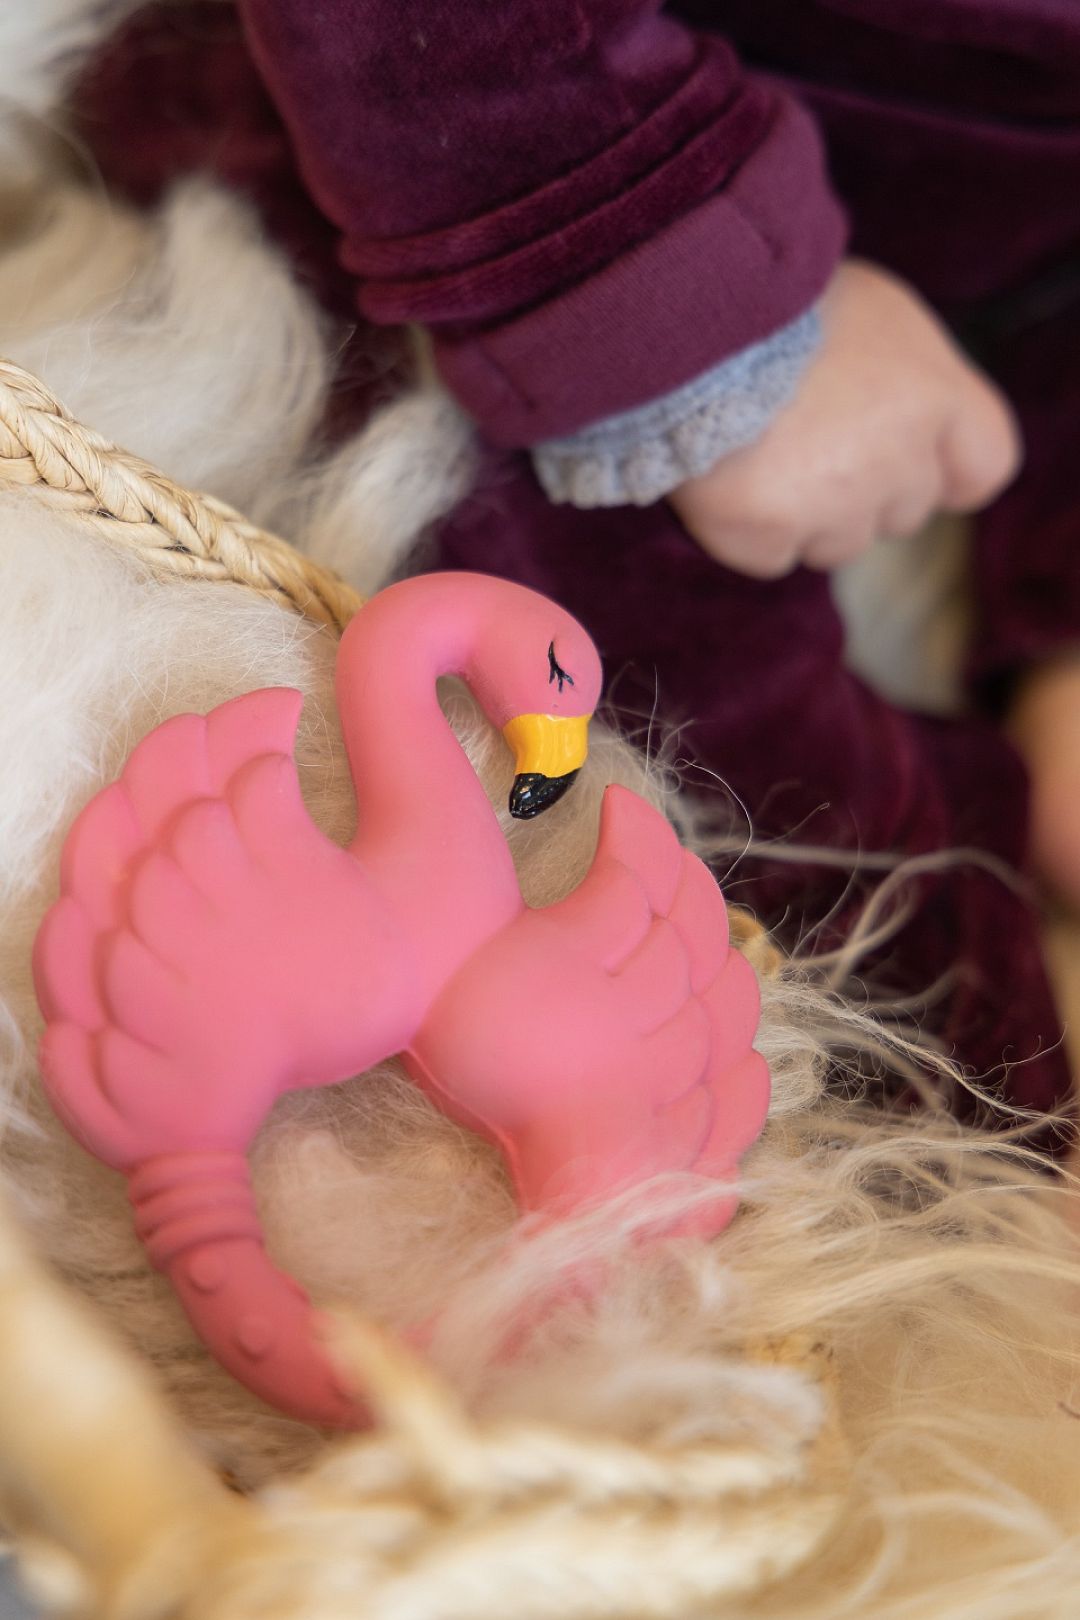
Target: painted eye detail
column 555, row 673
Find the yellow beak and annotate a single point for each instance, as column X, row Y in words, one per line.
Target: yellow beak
column 548, row 744
column 548, row 750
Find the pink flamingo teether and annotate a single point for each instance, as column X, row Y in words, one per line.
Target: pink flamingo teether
column 212, row 949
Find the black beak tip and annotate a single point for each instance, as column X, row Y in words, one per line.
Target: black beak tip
column 532, row 793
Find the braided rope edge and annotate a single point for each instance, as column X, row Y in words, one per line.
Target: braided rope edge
column 130, row 503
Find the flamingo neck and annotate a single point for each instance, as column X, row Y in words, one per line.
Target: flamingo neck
column 426, row 832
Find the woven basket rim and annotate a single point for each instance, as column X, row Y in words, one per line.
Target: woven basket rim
column 132, row 504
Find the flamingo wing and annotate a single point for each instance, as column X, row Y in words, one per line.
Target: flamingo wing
column 210, row 945
column 660, row 922
column 695, row 1092
column 607, row 1038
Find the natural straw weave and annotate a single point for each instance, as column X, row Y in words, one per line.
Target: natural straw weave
column 131, row 504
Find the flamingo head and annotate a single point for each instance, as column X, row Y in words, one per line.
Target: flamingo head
column 537, row 676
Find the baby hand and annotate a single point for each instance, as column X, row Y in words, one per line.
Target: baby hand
column 889, row 424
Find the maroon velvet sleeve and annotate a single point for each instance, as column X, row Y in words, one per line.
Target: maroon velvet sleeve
column 585, row 202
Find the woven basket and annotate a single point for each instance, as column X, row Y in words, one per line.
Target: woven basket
column 431, row 1514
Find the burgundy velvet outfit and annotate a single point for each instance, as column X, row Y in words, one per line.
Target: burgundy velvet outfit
column 588, row 203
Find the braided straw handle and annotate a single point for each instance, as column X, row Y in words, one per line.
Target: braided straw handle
column 130, row 503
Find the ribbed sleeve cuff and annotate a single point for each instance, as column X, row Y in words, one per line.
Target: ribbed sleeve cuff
column 638, row 456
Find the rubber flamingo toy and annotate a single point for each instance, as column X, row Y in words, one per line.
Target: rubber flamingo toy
column 211, row 949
